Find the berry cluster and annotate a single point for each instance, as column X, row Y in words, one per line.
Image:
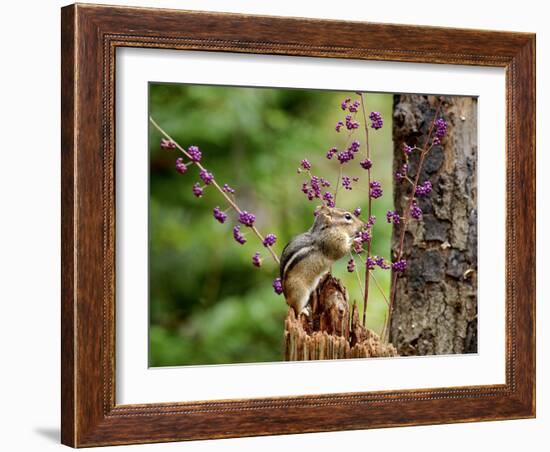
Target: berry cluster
column 393, row 217
column 238, row 235
column 227, row 189
column 377, row 261
column 376, row 120
column 423, row 189
column 366, row 164
column 402, row 173
column 313, row 188
column 375, row 189
column 440, row 131
column 247, row 218
column 278, row 286
column 219, row 215
column 269, row 240
column 167, row 144
column 194, row 153
column 180, row 166
column 400, row 266
column 416, row 211
column 347, row 181
column 257, row 260
column 407, row 150
column 206, row 177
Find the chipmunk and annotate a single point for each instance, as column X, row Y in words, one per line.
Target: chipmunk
column 309, row 256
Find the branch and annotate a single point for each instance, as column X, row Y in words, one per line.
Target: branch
column 227, row 198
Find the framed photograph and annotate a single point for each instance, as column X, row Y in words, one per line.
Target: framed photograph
column 282, row 225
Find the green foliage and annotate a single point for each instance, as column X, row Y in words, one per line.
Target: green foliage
column 208, row 304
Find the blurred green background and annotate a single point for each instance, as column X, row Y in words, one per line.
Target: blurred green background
column 208, row 304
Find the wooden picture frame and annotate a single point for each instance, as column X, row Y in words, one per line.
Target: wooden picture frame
column 90, row 36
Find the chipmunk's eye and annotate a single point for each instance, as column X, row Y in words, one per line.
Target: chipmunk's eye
column 347, row 216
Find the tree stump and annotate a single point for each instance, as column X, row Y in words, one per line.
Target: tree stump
column 436, row 299
column 330, row 332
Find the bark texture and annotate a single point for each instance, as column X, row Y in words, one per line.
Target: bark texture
column 436, row 301
column 331, row 332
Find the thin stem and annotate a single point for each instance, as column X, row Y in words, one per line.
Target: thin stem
column 379, row 288
column 337, row 184
column 358, row 278
column 406, row 215
column 227, row 198
column 367, row 146
column 383, row 331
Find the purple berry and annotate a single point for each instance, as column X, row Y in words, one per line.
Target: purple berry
column 351, row 265
column 238, row 236
column 331, row 152
column 407, row 149
column 305, row 164
column 194, row 153
column 206, row 176
column 366, row 164
column 416, row 211
column 357, row 245
column 402, row 173
column 180, row 166
column 365, row 236
column 257, row 260
column 167, row 144
column 375, row 190
column 270, row 240
column 440, row 128
column 370, row 263
column 197, row 190
column 351, row 123
column 381, row 262
column 327, row 196
column 278, row 286
column 393, row 217
column 346, row 182
column 357, row 212
column 315, row 185
column 399, row 266
column 345, row 102
column 423, row 189
column 247, row 219
column 377, row 121
column 354, row 146
column 345, row 156
column 226, row 188
column 219, row 215
column 354, row 107
column 313, row 189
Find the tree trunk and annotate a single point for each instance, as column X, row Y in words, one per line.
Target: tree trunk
column 436, row 300
column 329, row 333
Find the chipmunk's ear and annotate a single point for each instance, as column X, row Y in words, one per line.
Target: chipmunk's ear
column 322, row 215
column 324, row 209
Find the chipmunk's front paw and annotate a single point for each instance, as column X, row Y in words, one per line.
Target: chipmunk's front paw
column 306, row 311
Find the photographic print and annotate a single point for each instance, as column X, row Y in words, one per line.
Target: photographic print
column 292, row 224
